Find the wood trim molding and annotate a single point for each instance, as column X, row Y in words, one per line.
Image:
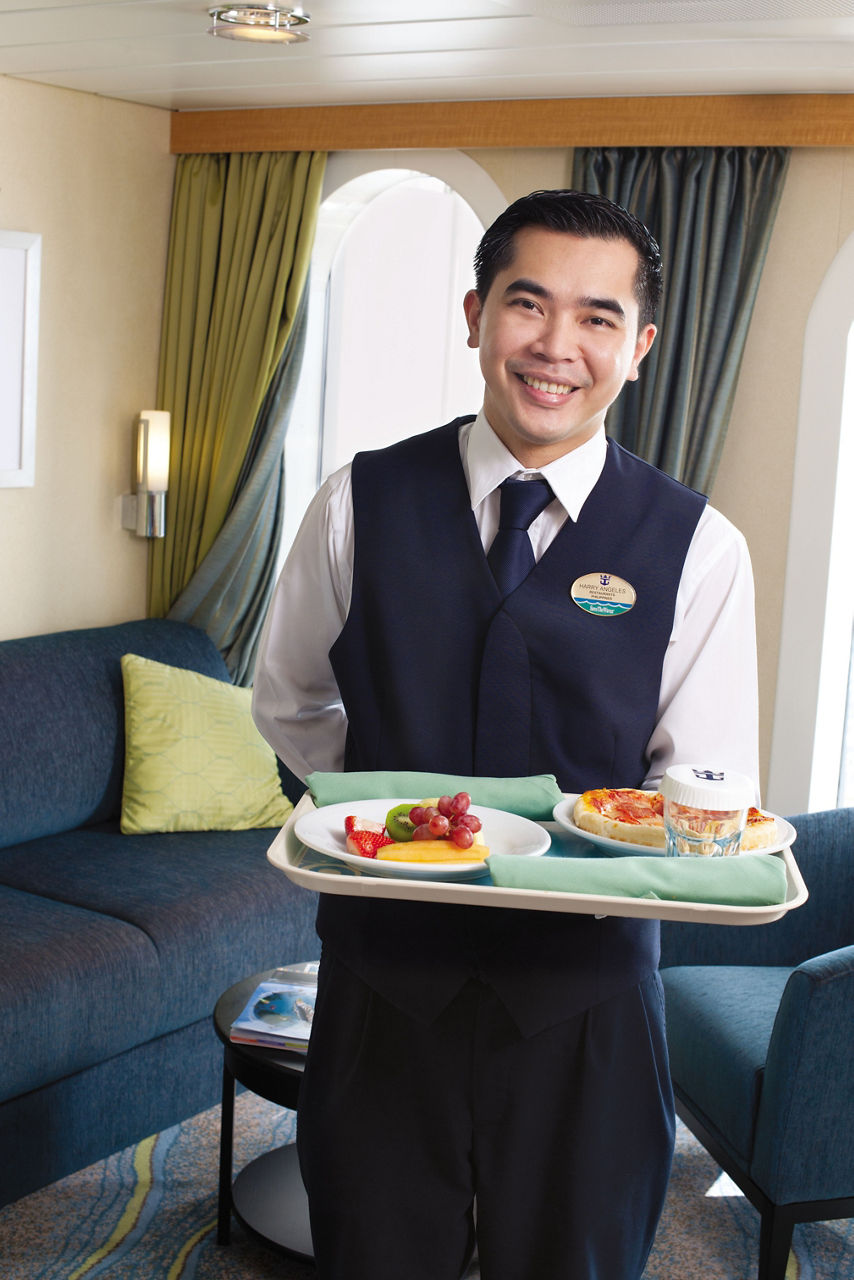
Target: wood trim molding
column 791, row 120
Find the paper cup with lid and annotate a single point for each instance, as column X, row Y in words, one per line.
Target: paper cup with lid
column 704, row 810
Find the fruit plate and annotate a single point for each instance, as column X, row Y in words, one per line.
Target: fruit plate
column 323, row 831
column 784, row 836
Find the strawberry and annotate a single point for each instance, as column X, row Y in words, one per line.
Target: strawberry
column 352, row 824
column 365, row 843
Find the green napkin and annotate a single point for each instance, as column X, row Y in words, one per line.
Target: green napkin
column 747, row 880
column 533, row 797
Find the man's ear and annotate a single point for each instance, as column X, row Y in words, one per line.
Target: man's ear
column 642, row 346
column 472, row 308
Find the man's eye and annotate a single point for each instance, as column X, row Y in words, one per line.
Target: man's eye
column 528, row 304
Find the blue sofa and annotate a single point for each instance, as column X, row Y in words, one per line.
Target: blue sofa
column 113, row 948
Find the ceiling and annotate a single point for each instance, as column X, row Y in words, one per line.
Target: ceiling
column 158, row 52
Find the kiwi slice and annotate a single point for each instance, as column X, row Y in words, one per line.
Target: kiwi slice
column 398, row 823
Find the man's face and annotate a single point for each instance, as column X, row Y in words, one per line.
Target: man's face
column 558, row 337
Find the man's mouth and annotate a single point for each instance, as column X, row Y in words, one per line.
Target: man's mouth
column 540, row 384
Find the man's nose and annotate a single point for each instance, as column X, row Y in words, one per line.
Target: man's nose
column 558, row 339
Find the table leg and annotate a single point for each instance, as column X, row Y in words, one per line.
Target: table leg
column 226, row 1148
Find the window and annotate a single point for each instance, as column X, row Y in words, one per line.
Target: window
column 386, row 352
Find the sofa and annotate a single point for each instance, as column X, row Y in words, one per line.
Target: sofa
column 114, row 947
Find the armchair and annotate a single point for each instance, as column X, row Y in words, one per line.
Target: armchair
column 760, row 1027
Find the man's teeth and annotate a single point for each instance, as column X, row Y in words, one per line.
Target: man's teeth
column 554, row 388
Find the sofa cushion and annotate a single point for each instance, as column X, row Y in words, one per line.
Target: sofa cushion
column 212, row 906
column 194, row 760
column 719, row 1021
column 76, row 987
column 62, row 727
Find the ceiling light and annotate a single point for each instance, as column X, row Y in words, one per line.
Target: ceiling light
column 268, row 23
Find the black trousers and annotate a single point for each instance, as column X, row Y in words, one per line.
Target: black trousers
column 564, row 1140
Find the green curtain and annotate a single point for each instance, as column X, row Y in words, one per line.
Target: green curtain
column 241, row 239
column 712, row 210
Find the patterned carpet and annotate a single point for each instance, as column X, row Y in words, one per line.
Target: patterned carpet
column 149, row 1213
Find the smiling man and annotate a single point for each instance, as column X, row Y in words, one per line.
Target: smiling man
column 559, row 335
column 465, row 1056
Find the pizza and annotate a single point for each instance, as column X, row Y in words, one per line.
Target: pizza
column 759, row 830
column 622, row 813
column 637, row 817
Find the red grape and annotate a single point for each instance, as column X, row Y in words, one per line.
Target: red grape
column 462, row 837
column 470, row 820
column 423, row 832
column 444, row 804
column 460, row 803
column 439, row 825
column 416, row 815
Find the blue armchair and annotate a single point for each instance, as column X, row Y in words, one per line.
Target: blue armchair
column 760, row 1027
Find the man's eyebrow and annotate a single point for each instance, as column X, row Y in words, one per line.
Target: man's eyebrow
column 603, row 304
column 524, row 285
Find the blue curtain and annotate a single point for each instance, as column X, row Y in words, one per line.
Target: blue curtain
column 230, row 592
column 712, row 210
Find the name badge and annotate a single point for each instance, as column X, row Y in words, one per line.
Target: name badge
column 603, row 594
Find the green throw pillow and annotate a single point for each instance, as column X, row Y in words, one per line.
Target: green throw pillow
column 194, row 760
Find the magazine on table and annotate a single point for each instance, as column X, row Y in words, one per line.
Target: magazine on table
column 278, row 1014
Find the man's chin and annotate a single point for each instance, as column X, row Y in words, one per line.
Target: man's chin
column 527, row 441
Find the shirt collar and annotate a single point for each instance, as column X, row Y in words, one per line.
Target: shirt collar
column 488, row 463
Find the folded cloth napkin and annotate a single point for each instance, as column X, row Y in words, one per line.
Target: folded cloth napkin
column 533, row 797
column 748, row 880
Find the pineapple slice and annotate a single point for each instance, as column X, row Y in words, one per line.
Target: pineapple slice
column 431, row 851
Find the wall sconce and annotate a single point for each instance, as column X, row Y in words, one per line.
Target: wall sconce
column 145, row 510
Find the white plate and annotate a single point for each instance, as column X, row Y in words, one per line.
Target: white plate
column 783, row 837
column 323, row 830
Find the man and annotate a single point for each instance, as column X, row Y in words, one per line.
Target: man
column 460, row 1054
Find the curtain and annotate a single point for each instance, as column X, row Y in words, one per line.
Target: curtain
column 241, row 239
column 712, row 210
column 230, row 592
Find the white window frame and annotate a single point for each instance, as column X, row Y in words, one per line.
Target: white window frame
column 20, row 277
column 455, row 168
column 818, row 602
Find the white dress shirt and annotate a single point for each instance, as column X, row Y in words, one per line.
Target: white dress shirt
column 708, row 703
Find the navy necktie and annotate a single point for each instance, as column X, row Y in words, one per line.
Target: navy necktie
column 511, row 557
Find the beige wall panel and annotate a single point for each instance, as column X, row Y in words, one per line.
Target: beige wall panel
column 94, row 178
column 518, row 172
column 846, row 217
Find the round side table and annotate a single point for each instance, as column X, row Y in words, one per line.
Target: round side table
column 267, row 1197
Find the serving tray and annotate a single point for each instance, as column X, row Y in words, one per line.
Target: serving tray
column 323, row 874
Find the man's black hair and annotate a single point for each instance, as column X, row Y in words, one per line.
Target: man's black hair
column 581, row 214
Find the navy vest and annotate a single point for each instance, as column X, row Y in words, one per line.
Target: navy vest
column 436, row 675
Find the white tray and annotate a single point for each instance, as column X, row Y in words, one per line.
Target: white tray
column 323, row 874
